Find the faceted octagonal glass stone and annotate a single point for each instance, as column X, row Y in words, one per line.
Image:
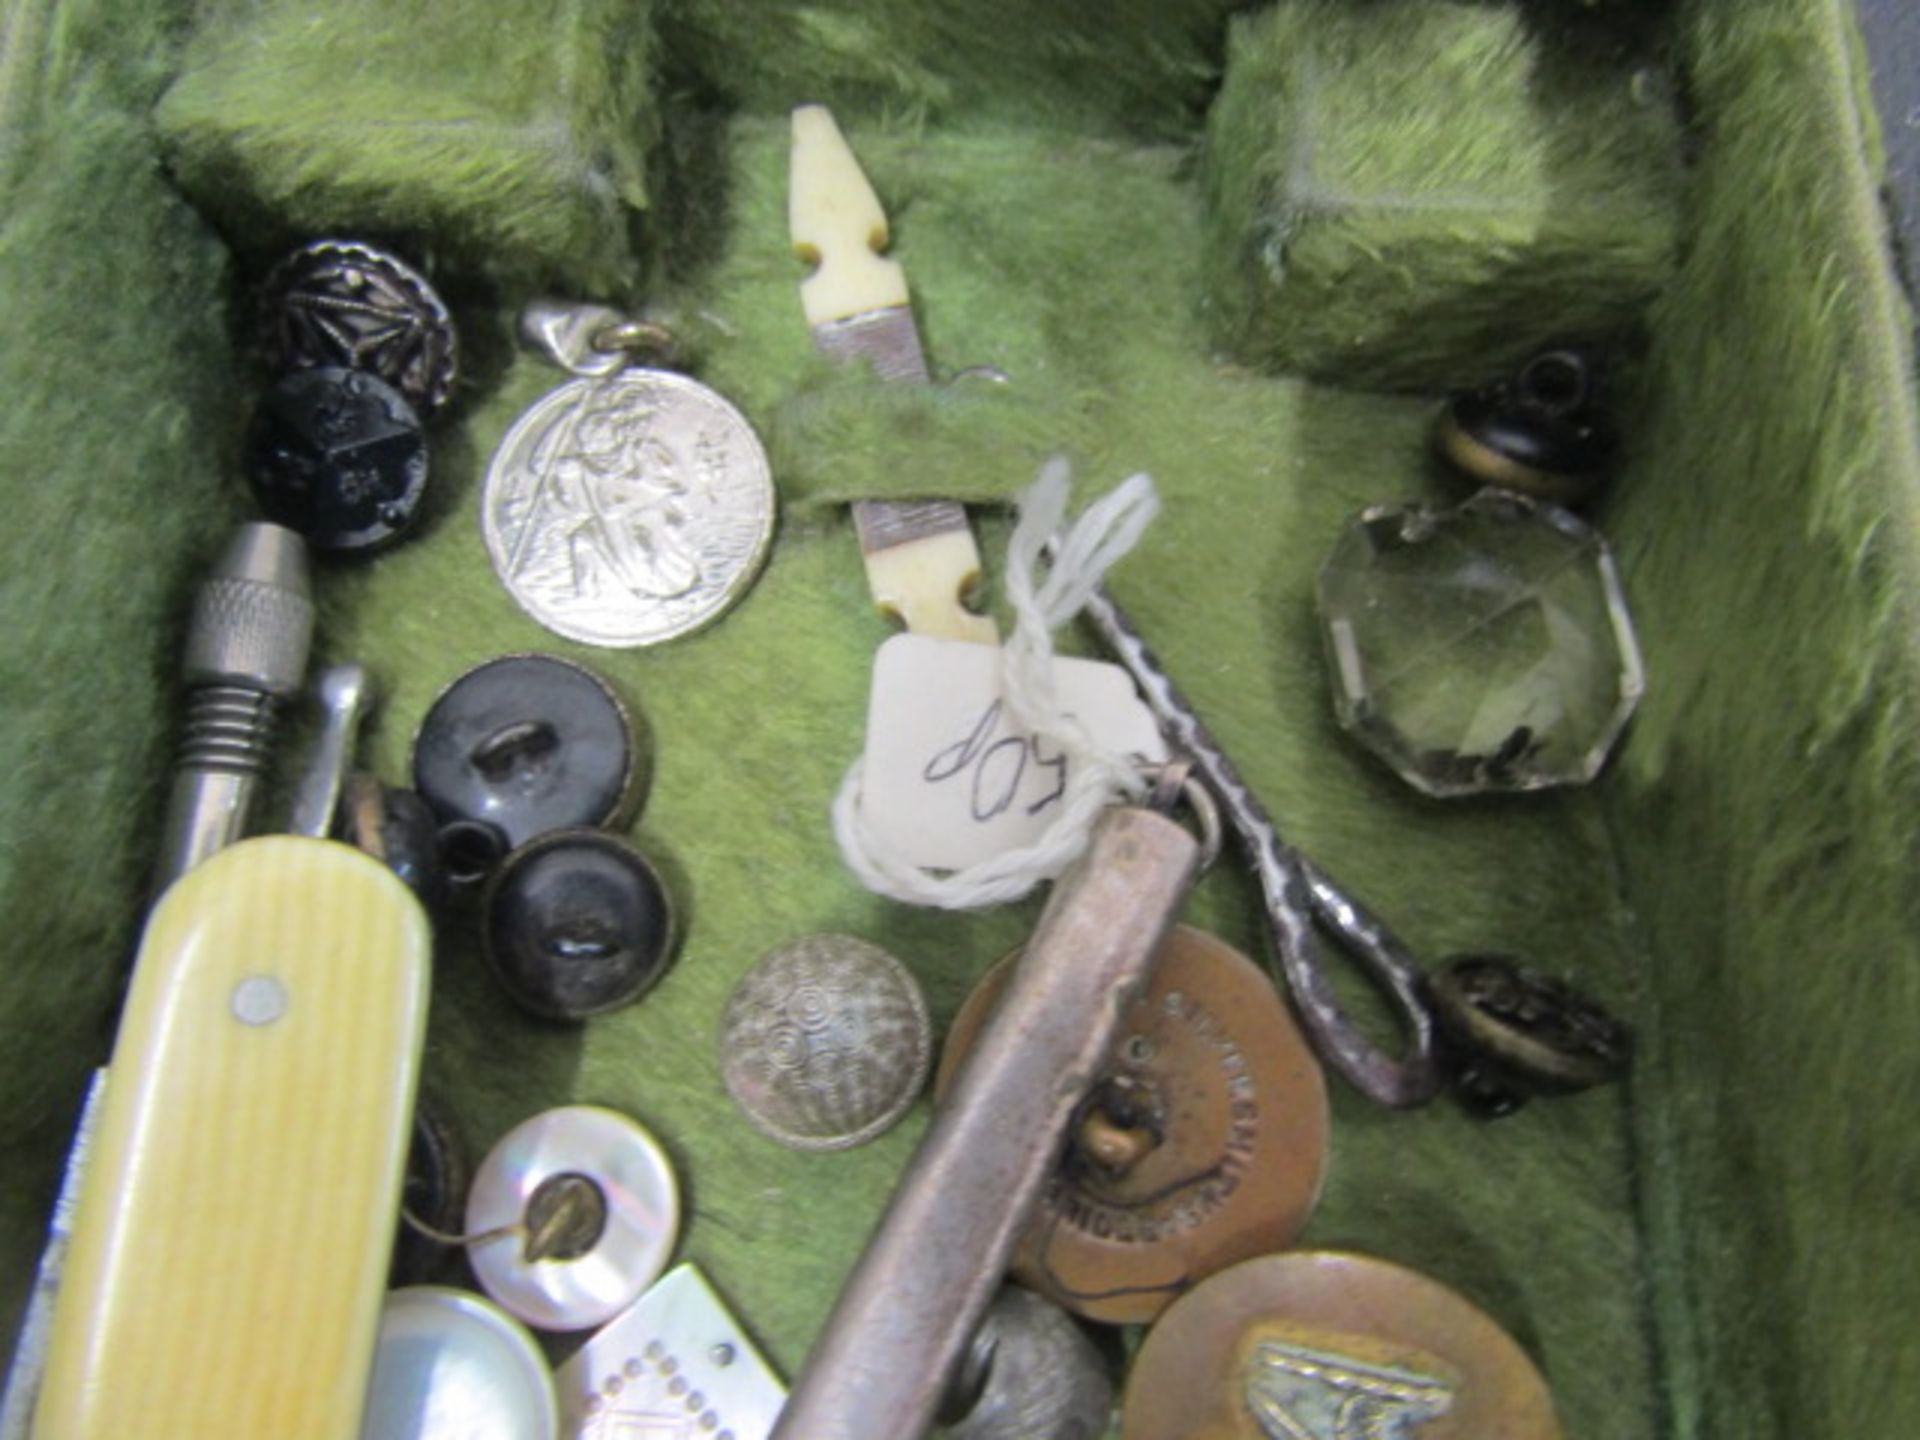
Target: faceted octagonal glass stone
column 1482, row 648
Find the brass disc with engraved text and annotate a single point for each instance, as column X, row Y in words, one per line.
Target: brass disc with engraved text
column 1204, row 1142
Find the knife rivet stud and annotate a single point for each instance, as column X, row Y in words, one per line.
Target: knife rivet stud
column 259, row 1000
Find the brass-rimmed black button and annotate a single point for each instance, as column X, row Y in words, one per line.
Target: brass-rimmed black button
column 434, row 1195
column 1514, row 1033
column 528, row 744
column 577, row 923
column 1542, row 432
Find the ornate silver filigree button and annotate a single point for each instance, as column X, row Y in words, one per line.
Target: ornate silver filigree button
column 345, row 303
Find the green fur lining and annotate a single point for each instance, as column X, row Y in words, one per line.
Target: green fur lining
column 1416, row 195
column 1765, row 808
column 1712, row 1252
column 510, row 141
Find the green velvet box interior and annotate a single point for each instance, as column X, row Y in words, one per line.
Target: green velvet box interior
column 1086, row 196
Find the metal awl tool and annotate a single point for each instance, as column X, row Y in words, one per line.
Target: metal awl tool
column 246, row 655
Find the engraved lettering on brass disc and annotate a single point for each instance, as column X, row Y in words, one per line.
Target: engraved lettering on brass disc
column 1179, row 1030
column 1202, row 1144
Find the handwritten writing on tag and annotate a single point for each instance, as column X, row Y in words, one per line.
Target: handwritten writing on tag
column 949, row 780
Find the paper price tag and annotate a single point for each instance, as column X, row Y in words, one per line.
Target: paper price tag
column 948, row 780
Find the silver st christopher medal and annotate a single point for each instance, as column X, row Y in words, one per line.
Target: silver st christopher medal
column 632, row 505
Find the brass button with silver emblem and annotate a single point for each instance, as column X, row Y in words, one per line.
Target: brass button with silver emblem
column 1204, row 1142
column 1318, row 1345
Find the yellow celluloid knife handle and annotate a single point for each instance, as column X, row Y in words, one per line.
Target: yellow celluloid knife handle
column 232, row 1235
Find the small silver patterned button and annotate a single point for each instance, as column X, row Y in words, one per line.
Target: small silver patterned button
column 343, row 302
column 825, row 1042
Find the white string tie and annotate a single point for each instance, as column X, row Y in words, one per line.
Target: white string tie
column 1099, row 539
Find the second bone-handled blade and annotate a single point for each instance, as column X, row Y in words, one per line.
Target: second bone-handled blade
column 881, row 1365
column 920, row 554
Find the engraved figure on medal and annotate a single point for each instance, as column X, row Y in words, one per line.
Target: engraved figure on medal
column 628, row 510
column 617, row 509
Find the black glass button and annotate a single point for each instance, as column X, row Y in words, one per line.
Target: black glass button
column 528, row 744
column 576, row 924
column 339, row 456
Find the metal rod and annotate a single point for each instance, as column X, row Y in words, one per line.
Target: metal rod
column 910, row 1307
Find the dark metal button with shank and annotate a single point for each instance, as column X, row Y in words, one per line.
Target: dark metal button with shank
column 345, row 303
column 1543, row 432
column 528, row 744
column 339, row 456
column 577, row 923
column 1326, row 1346
column 1203, row 1143
column 1030, row 1373
column 1513, row 1033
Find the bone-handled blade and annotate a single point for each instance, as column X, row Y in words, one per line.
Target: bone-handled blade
column 836, row 223
column 920, row 555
